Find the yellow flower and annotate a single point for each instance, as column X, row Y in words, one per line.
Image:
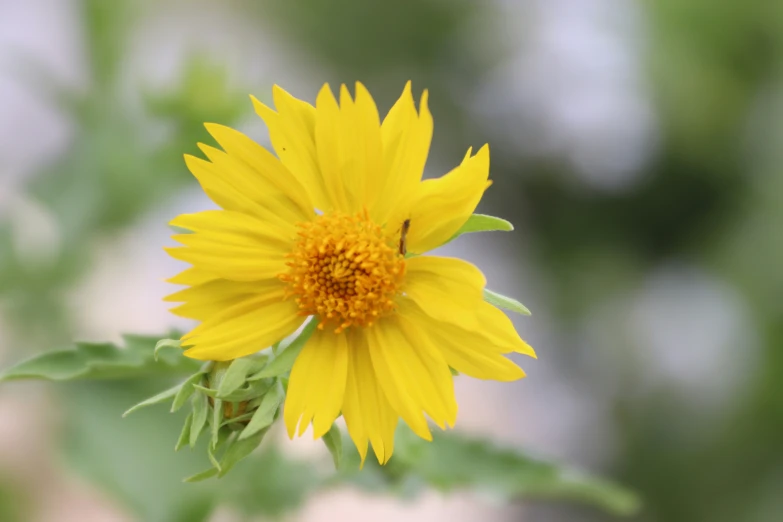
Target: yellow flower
column 322, row 230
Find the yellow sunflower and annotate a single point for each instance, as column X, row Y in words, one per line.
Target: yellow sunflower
column 331, row 228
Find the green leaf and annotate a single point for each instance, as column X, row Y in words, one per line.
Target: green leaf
column 166, row 343
column 155, row 399
column 268, row 484
column 184, row 436
column 235, row 376
column 508, row 303
column 185, row 391
column 265, row 414
column 217, row 421
column 238, row 450
column 285, row 359
column 252, row 390
column 334, row 443
column 483, row 223
column 131, row 459
column 102, row 361
column 452, row 461
column 203, row 475
column 200, row 413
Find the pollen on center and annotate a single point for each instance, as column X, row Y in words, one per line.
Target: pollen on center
column 344, row 270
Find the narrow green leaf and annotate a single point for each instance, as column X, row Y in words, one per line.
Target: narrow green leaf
column 200, row 412
column 235, row 376
column 285, row 359
column 102, row 361
column 217, row 420
column 483, row 223
column 185, row 391
column 166, row 343
column 184, row 436
column 265, row 414
column 501, row 301
column 209, row 392
column 453, row 461
column 334, row 443
column 198, row 477
column 238, row 419
column 212, row 458
column 250, row 391
column 155, row 399
column 239, row 450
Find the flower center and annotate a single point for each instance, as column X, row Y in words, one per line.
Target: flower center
column 344, row 270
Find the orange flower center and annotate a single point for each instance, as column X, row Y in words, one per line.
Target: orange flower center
column 344, row 269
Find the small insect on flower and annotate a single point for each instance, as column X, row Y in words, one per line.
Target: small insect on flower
column 311, row 234
column 406, row 225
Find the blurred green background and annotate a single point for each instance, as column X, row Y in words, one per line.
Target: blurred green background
column 637, row 147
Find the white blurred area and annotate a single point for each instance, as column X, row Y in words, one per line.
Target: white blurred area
column 570, row 86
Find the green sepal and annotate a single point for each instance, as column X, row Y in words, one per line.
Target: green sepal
column 264, row 416
column 334, row 443
column 200, row 412
column 235, row 376
column 454, row 373
column 248, row 392
column 502, row 301
column 223, row 437
column 203, row 475
column 238, row 450
column 483, row 223
column 155, row 399
column 184, row 436
column 234, row 422
column 186, row 390
column 217, row 420
column 285, row 359
column 166, row 343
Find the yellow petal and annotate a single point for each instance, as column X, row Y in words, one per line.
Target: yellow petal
column 262, row 172
column 244, row 328
column 442, row 205
column 231, row 245
column 414, row 379
column 206, row 299
column 469, row 352
column 447, row 289
column 368, row 414
column 406, row 137
column 276, row 206
column 217, row 184
column 330, row 157
column 499, row 329
column 368, row 150
column 191, row 277
column 317, row 384
column 292, row 133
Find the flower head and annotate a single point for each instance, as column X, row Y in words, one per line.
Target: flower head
column 330, row 228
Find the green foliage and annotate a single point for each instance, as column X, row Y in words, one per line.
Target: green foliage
column 334, row 443
column 129, row 458
column 266, row 413
column 102, row 361
column 269, row 484
column 453, row 461
column 483, row 223
column 502, row 301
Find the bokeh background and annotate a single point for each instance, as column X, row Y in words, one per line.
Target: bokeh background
column 637, row 147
